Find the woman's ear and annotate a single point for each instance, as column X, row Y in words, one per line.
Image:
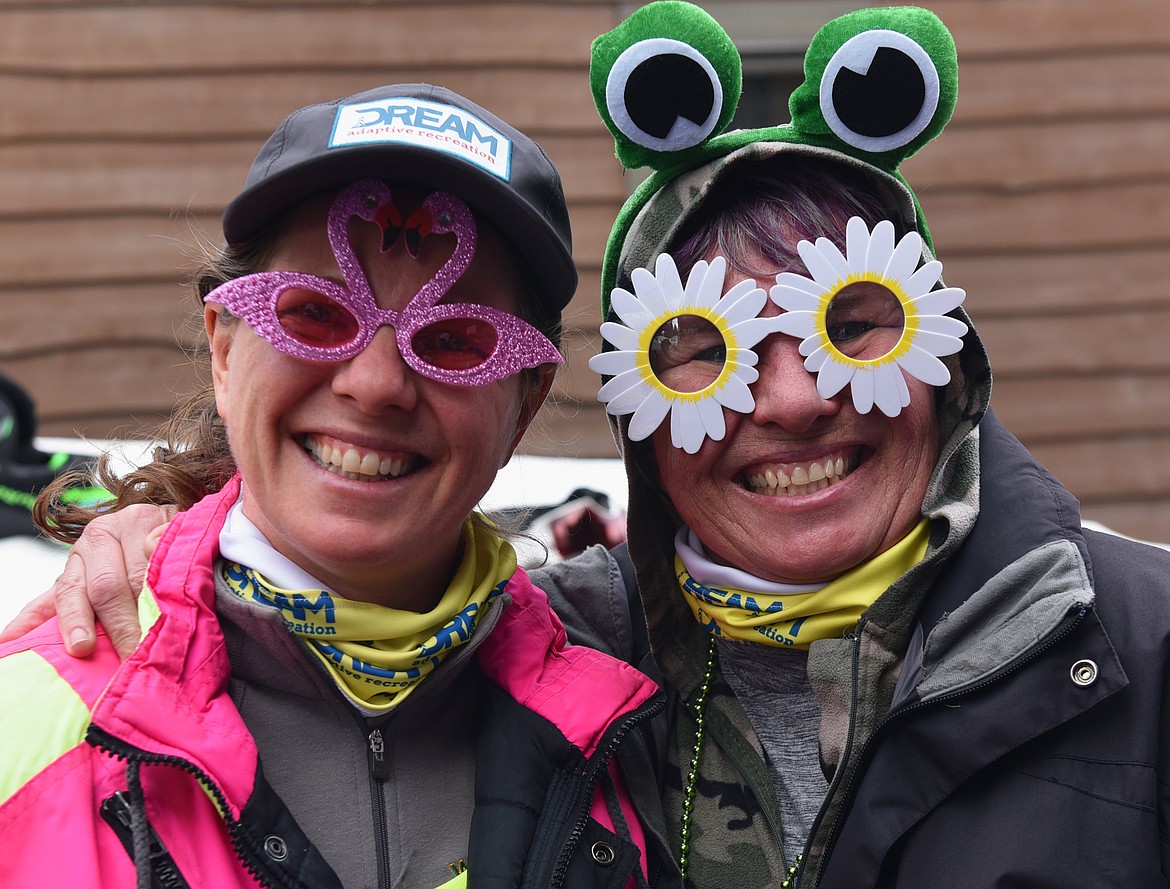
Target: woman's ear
column 535, row 392
column 219, row 341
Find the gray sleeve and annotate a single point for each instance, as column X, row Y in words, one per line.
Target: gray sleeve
column 590, row 596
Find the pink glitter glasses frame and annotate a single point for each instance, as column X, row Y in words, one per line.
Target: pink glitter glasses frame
column 518, row 345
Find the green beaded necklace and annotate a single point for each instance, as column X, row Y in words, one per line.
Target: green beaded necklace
column 699, row 709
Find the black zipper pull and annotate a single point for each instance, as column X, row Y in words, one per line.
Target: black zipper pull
column 115, row 811
column 379, row 767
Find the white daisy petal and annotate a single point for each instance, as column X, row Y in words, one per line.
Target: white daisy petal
column 686, row 429
column 707, row 289
column 711, row 414
column 833, row 256
column 669, row 281
column 686, row 293
column 648, row 416
column 630, row 399
column 635, row 315
column 905, row 258
column 816, row 359
column 744, row 373
column 921, row 365
column 922, row 280
column 801, row 324
column 819, row 266
column 810, row 344
column 937, row 343
column 903, row 389
column 862, row 388
column 736, row 395
column 944, row 324
column 856, row 243
column 881, row 246
column 886, row 394
column 939, row 302
column 619, row 336
column 611, row 364
column 742, row 302
column 649, row 293
column 623, row 382
column 748, row 333
column 793, row 299
column 799, row 283
column 743, row 358
column 833, row 377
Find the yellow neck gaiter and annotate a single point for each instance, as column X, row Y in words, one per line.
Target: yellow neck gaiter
column 801, row 618
column 378, row 655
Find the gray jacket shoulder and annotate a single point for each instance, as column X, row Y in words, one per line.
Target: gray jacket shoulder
column 589, row 594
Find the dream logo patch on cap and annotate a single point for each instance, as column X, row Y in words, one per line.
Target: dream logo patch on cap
column 431, row 125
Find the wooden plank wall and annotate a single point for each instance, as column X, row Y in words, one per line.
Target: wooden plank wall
column 1049, row 199
column 124, row 127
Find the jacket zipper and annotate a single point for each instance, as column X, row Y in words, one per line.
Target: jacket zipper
column 379, row 771
column 610, row 741
column 1070, row 623
column 164, row 873
column 119, row 749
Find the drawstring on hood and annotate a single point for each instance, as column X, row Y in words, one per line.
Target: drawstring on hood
column 139, row 826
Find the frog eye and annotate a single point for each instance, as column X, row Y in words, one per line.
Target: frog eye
column 879, row 91
column 666, row 82
column 664, row 95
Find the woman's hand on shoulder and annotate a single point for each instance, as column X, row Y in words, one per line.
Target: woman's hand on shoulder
column 102, row 579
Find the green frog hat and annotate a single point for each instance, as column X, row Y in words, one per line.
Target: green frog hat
column 879, row 84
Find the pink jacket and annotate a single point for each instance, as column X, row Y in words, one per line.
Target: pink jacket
column 160, row 731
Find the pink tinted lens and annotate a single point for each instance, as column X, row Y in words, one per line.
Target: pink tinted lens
column 314, row 319
column 455, row 343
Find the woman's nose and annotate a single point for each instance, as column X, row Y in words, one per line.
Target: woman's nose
column 786, row 394
column 378, row 377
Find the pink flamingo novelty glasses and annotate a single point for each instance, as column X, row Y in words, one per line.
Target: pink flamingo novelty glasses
column 316, row 319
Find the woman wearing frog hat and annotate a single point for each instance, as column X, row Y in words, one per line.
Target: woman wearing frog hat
column 896, row 659
column 343, row 679
column 894, row 656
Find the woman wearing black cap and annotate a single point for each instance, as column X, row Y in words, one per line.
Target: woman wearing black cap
column 344, row 678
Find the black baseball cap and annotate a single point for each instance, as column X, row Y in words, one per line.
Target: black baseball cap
column 428, row 136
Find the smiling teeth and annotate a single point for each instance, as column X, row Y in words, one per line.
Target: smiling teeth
column 805, row 478
column 355, row 464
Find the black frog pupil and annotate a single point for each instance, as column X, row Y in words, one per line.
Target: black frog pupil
column 674, row 75
column 883, row 101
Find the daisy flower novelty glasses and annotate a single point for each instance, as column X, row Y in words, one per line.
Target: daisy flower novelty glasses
column 869, row 315
column 316, row 319
column 864, row 318
column 686, row 352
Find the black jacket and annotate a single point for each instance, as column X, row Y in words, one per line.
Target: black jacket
column 1053, row 770
column 1048, row 768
